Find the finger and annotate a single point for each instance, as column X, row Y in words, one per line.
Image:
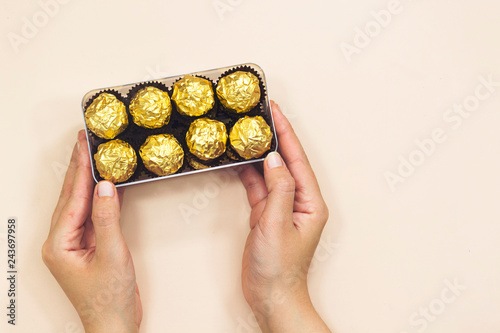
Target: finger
column 281, row 187
column 295, row 157
column 256, row 213
column 254, row 184
column 121, row 193
column 88, row 239
column 68, row 181
column 77, row 208
column 106, row 220
column 259, row 167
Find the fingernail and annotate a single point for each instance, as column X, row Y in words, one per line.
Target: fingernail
column 275, row 106
column 105, row 189
column 80, row 136
column 240, row 168
column 274, row 160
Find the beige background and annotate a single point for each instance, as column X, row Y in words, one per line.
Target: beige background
column 384, row 256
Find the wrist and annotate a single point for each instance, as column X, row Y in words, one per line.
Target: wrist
column 111, row 328
column 111, row 325
column 288, row 310
column 283, row 310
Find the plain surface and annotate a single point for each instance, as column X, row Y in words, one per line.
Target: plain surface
column 385, row 255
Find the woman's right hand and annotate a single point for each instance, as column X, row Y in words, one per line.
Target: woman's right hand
column 286, row 222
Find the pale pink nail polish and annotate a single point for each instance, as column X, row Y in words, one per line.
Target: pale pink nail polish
column 274, row 160
column 105, row 189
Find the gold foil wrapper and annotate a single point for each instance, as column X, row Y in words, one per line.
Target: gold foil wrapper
column 195, row 164
column 206, row 138
column 151, row 107
column 106, row 116
column 239, row 91
column 193, row 96
column 116, row 161
column 251, row 137
column 162, row 154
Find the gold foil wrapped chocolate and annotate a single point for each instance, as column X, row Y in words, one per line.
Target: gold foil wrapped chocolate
column 196, row 164
column 116, row 161
column 106, row 116
column 206, row 138
column 239, row 91
column 251, row 137
column 151, row 107
column 193, row 96
column 162, row 154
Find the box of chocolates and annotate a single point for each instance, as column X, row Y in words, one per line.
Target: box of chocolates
column 179, row 125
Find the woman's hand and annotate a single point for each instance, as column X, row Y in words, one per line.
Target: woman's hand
column 286, row 222
column 86, row 251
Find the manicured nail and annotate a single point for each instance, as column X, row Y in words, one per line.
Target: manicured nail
column 240, row 168
column 105, row 189
column 275, row 107
column 80, row 136
column 274, row 160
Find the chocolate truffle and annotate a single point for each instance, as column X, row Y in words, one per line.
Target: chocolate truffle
column 251, row 137
column 116, row 161
column 193, row 96
column 196, row 164
column 239, row 92
column 106, row 116
column 151, row 107
column 206, row 138
column 162, row 154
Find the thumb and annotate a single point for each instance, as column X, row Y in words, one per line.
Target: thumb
column 106, row 220
column 281, row 187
